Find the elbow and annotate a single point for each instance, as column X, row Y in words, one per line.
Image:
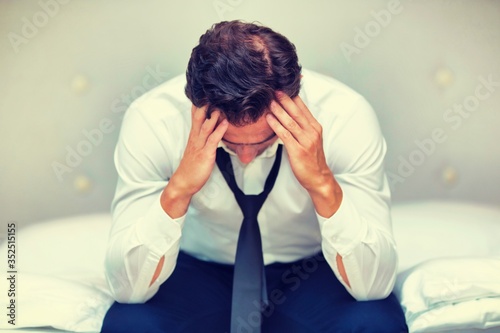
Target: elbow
column 126, row 288
column 122, row 297
column 123, row 292
column 380, row 288
column 374, row 292
column 120, row 285
column 378, row 285
column 128, row 298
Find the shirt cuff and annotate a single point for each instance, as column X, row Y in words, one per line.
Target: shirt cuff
column 158, row 230
column 345, row 229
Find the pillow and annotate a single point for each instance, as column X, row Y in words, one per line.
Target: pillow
column 61, row 303
column 451, row 293
column 60, row 279
column 433, row 229
column 63, row 246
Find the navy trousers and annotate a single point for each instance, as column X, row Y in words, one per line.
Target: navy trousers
column 304, row 297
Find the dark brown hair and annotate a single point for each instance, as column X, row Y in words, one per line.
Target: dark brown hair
column 237, row 67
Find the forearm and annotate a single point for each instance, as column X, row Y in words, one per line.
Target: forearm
column 138, row 243
column 370, row 268
column 359, row 249
column 326, row 200
column 175, row 203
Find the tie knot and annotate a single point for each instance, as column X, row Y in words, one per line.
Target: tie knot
column 251, row 204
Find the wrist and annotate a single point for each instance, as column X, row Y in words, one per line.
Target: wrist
column 326, row 197
column 175, row 199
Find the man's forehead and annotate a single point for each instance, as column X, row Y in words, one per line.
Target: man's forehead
column 222, row 116
column 254, row 132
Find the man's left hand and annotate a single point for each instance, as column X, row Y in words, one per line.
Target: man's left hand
column 302, row 136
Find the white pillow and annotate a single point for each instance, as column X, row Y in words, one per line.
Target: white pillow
column 64, row 304
column 60, row 274
column 433, row 229
column 479, row 314
column 451, row 293
column 66, row 245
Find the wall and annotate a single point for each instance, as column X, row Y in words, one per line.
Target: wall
column 68, row 69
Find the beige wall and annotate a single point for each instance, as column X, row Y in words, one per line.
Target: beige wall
column 69, row 68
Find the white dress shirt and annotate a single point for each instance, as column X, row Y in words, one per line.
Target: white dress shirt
column 153, row 136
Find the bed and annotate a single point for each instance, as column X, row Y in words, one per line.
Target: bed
column 448, row 278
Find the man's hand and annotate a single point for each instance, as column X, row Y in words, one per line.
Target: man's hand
column 302, row 136
column 197, row 161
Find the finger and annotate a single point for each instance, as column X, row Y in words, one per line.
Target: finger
column 285, row 118
column 307, row 113
column 293, row 109
column 216, row 135
column 209, row 124
column 282, row 133
column 300, row 134
column 198, row 116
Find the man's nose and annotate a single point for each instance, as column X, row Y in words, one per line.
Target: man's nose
column 246, row 154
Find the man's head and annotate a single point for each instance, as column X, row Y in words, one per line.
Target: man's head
column 237, row 67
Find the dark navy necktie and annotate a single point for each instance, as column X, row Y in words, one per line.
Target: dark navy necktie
column 249, row 280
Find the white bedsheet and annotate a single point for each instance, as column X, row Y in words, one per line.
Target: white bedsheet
column 62, row 263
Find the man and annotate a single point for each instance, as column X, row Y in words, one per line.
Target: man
column 325, row 233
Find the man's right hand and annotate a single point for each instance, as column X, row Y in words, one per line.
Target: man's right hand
column 197, row 161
